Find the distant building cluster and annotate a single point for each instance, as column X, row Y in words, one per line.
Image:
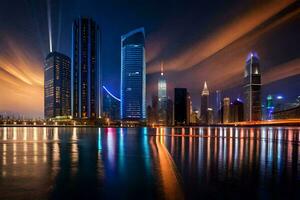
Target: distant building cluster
column 221, row 110
column 73, row 88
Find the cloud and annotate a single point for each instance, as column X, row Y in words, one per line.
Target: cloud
column 21, row 79
column 224, row 68
column 282, row 71
column 215, row 41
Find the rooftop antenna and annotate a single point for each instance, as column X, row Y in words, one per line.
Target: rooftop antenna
column 162, row 68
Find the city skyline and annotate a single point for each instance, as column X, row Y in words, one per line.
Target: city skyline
column 149, row 99
column 204, row 51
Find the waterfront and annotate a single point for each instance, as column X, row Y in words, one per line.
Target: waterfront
column 207, row 163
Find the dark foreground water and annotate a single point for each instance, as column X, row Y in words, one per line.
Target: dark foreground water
column 201, row 163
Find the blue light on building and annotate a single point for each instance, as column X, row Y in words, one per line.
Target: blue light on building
column 279, row 97
column 86, row 85
column 162, row 98
column 111, row 105
column 133, row 75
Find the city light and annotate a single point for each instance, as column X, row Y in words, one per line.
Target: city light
column 279, row 97
column 149, row 99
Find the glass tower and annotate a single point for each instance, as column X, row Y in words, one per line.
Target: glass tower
column 133, row 76
column 86, row 85
column 270, row 107
column 226, row 110
column 57, row 86
column 218, row 106
column 162, row 98
column 252, row 88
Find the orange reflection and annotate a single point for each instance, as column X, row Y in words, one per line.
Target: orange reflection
column 169, row 176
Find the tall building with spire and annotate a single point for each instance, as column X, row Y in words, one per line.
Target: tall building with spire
column 252, row 88
column 162, row 98
column 204, row 104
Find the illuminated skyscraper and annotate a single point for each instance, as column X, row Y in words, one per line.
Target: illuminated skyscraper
column 218, row 106
column 252, row 88
column 210, row 116
column 133, row 76
column 86, row 84
column 269, row 107
column 226, row 110
column 237, row 111
column 57, row 85
column 204, row 104
column 162, row 98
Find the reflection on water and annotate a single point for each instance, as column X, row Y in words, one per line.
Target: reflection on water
column 169, row 163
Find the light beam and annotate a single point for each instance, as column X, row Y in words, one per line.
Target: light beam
column 49, row 24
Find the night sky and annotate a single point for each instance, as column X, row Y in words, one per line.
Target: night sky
column 196, row 40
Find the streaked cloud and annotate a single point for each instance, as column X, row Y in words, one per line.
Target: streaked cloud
column 220, row 59
column 21, row 80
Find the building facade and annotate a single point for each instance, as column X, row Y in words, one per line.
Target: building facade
column 226, row 110
column 181, row 106
column 133, row 76
column 162, row 98
column 86, row 78
column 152, row 111
column 57, row 86
column 252, row 88
column 204, row 104
column 237, row 111
column 269, row 108
column 218, row 106
column 170, row 112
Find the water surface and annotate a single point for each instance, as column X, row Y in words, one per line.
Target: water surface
column 164, row 163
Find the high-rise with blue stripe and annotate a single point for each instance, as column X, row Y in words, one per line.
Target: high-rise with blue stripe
column 86, row 84
column 133, row 76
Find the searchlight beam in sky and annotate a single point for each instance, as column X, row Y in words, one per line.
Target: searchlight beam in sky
column 49, row 24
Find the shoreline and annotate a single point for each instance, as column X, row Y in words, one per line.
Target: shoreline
column 191, row 126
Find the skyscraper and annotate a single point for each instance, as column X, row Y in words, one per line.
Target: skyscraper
column 252, row 88
column 226, row 110
column 162, row 98
column 270, row 107
column 86, row 84
column 170, row 112
column 152, row 111
column 218, row 106
column 237, row 111
column 181, row 106
column 204, row 104
column 210, row 116
column 133, row 76
column 57, row 85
